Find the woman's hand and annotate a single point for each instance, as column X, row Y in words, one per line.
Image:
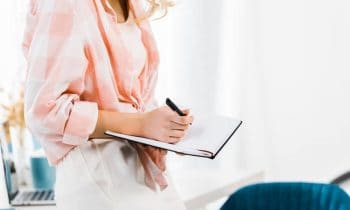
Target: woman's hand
column 165, row 125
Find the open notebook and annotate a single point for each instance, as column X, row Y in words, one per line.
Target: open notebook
column 205, row 137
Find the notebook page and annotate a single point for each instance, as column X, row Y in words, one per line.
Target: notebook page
column 209, row 133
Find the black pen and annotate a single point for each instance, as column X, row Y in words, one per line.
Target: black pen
column 174, row 107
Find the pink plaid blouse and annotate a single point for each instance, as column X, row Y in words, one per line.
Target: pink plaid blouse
column 78, row 64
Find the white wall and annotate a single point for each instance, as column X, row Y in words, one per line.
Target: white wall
column 12, row 14
column 191, row 51
column 304, row 50
column 282, row 67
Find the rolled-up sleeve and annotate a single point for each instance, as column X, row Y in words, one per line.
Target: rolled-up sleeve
column 57, row 63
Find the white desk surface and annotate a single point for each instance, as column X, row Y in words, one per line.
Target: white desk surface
column 202, row 186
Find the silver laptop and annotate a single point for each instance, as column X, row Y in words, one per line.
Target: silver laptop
column 24, row 197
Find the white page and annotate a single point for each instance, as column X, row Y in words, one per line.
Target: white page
column 209, row 133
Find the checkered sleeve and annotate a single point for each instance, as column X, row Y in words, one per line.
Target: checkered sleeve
column 57, row 62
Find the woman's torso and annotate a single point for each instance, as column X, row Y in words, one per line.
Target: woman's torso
column 122, row 59
column 119, row 61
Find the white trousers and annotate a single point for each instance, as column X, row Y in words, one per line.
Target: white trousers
column 105, row 174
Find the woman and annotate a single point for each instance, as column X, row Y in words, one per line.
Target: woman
column 92, row 66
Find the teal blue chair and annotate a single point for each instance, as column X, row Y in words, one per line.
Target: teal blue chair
column 288, row 196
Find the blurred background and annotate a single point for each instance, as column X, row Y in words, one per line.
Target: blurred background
column 282, row 67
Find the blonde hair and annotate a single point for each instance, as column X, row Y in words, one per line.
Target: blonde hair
column 156, row 6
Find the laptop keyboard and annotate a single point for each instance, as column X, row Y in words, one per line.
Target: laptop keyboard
column 34, row 196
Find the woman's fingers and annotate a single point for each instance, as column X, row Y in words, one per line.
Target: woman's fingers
column 186, row 111
column 182, row 120
column 171, row 139
column 176, row 126
column 177, row 134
